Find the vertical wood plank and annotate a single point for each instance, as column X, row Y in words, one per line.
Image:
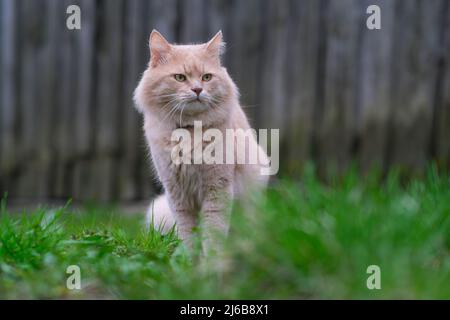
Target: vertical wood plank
column 134, row 63
column 109, row 126
column 301, row 78
column 64, row 138
column 2, row 26
column 8, row 102
column 84, row 121
column 273, row 97
column 336, row 128
column 375, row 82
column 440, row 136
column 244, row 39
column 85, row 49
column 194, row 21
column 414, row 72
column 163, row 16
column 47, row 69
column 32, row 39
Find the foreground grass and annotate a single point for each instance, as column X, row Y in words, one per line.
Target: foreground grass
column 306, row 240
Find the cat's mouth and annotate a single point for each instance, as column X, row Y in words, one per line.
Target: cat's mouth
column 195, row 106
column 196, row 99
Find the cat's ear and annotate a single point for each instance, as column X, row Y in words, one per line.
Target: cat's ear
column 216, row 47
column 159, row 48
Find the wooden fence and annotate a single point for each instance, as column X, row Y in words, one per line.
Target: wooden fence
column 337, row 91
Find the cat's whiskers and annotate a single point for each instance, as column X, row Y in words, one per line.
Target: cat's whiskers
column 181, row 113
column 169, row 114
column 168, row 103
column 214, row 102
column 172, row 112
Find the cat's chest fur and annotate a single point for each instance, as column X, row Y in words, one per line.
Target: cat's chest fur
column 186, row 182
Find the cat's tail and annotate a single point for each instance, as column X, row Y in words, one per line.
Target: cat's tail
column 159, row 215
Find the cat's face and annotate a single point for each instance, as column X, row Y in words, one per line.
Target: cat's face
column 185, row 81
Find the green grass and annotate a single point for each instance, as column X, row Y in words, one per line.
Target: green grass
column 300, row 240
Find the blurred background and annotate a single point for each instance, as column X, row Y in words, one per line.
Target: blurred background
column 340, row 94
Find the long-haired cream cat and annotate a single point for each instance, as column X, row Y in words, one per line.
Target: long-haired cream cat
column 183, row 84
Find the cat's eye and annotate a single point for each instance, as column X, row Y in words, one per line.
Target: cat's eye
column 206, row 77
column 180, row 77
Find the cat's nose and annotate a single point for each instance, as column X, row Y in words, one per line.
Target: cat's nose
column 197, row 90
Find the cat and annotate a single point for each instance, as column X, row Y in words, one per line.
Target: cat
column 183, row 84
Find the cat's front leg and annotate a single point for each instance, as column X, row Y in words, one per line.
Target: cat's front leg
column 186, row 222
column 185, row 217
column 215, row 215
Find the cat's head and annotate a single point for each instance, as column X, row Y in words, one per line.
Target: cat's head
column 185, row 82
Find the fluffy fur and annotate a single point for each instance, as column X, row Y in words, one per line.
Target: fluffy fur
column 194, row 193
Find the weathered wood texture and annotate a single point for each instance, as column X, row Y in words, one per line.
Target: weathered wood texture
column 338, row 92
